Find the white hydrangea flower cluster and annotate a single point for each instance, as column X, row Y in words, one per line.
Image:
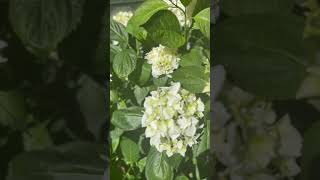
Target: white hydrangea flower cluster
column 178, row 12
column 123, row 17
column 163, row 60
column 172, row 117
column 249, row 138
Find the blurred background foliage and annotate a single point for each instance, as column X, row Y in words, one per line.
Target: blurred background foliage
column 270, row 49
column 52, row 92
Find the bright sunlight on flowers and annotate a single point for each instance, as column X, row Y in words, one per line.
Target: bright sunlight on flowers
column 172, row 117
column 123, row 17
column 163, row 60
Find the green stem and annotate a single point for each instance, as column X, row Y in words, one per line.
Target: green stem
column 195, row 162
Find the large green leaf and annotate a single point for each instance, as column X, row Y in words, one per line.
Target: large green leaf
column 140, row 93
column 196, row 6
column 130, row 150
column 158, row 166
column 75, row 161
column 193, row 58
column 115, row 135
column 142, row 15
column 204, row 143
column 127, row 119
column 192, row 78
column 118, row 32
column 141, row 75
column 164, row 28
column 12, row 110
column 202, row 21
column 264, row 59
column 124, row 63
column 235, row 7
column 42, row 24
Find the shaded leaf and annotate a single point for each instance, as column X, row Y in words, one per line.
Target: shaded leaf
column 43, row 24
column 158, row 166
column 12, row 110
column 192, row 78
column 262, row 59
column 142, row 15
column 124, row 63
column 202, row 21
column 127, row 119
column 130, row 150
column 115, row 135
column 164, row 28
column 194, row 58
column 75, row 161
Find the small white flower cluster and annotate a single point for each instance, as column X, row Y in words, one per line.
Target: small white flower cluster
column 123, row 17
column 163, row 60
column 171, row 118
column 178, row 12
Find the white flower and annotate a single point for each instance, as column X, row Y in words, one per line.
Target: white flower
column 290, row 138
column 163, row 60
column 178, row 11
column 171, row 118
column 289, row 167
column 123, row 17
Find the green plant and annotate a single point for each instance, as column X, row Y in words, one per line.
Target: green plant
column 160, row 85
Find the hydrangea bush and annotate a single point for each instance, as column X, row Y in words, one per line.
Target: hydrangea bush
column 160, row 91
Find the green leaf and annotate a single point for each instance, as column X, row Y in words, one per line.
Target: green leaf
column 114, row 50
column 124, row 63
column 196, row 6
column 262, row 59
column 158, row 166
column 141, row 93
column 202, row 21
column 127, row 119
column 115, row 135
column 310, row 151
column 43, row 24
column 118, row 32
column 142, row 73
column 37, row 138
column 164, row 28
column 185, row 2
column 142, row 164
column 193, row 58
column 182, row 178
column 161, row 81
column 130, row 150
column 175, row 161
column 75, row 161
column 12, row 110
column 204, row 143
column 192, row 78
column 236, row 8
column 145, row 73
column 142, row 15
